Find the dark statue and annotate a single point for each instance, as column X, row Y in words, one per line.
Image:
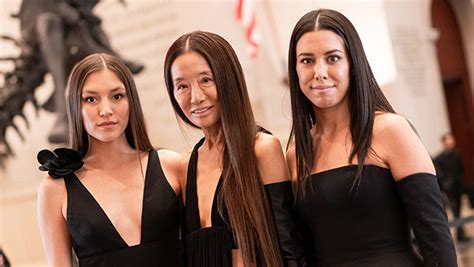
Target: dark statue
column 55, row 34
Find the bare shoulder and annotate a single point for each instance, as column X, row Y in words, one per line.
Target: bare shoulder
column 183, row 161
column 51, row 187
column 168, row 156
column 391, row 130
column 399, row 146
column 390, row 122
column 266, row 144
column 184, row 158
column 51, row 214
column 270, row 158
column 52, row 197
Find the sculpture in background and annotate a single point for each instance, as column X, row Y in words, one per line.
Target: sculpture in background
column 55, row 34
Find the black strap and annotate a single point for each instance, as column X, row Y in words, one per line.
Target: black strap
column 191, row 205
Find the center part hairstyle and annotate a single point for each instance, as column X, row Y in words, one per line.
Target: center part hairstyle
column 364, row 94
column 242, row 191
column 136, row 133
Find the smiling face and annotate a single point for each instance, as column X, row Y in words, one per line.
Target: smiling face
column 104, row 106
column 322, row 65
column 195, row 90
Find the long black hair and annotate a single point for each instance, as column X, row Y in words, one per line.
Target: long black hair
column 364, row 95
column 242, row 189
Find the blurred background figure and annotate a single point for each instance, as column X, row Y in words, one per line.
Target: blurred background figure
column 450, row 170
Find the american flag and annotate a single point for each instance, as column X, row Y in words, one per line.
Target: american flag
column 245, row 14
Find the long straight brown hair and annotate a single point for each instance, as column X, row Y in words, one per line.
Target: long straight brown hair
column 136, row 133
column 364, row 96
column 242, row 189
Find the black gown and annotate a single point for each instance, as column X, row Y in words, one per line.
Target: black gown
column 209, row 246
column 95, row 240
column 365, row 227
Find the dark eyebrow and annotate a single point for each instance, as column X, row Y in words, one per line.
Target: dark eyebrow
column 178, row 79
column 91, row 91
column 118, row 88
column 326, row 53
column 333, row 51
column 205, row 72
column 305, row 55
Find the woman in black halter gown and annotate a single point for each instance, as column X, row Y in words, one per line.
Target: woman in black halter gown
column 361, row 171
column 113, row 198
column 236, row 177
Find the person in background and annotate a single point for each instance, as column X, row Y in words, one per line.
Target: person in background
column 450, row 171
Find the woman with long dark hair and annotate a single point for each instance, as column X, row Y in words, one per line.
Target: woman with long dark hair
column 236, row 175
column 112, row 197
column 361, row 172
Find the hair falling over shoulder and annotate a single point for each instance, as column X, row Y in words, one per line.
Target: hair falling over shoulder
column 242, row 190
column 364, row 97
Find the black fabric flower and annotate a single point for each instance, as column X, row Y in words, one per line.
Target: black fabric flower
column 61, row 162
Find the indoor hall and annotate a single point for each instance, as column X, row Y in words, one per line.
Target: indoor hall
column 421, row 53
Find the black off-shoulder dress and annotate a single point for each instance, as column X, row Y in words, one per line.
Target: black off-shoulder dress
column 369, row 225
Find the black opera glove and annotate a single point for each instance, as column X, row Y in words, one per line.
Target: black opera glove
column 280, row 198
column 421, row 198
column 60, row 163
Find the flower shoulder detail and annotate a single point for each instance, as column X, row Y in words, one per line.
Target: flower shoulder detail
column 59, row 163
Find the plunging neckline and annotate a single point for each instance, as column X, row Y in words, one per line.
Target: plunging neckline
column 216, row 191
column 104, row 214
column 213, row 205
